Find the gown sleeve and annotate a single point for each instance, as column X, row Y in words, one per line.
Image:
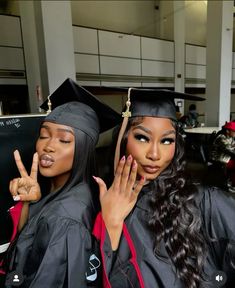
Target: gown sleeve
column 120, row 268
column 8, row 233
column 59, row 255
column 218, row 223
column 218, row 220
column 69, row 253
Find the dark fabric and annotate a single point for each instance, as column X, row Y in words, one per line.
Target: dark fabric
column 70, row 91
column 54, row 247
column 218, row 213
column 161, row 107
column 156, row 102
column 77, row 115
column 230, row 166
column 11, row 225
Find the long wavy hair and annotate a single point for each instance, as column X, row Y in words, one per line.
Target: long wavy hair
column 175, row 218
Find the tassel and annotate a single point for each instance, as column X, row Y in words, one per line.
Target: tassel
column 125, row 116
column 49, row 104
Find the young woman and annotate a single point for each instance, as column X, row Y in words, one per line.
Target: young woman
column 156, row 229
column 53, row 248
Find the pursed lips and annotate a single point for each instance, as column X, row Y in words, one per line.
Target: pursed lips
column 46, row 160
column 151, row 169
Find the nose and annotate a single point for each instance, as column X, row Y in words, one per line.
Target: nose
column 153, row 152
column 49, row 146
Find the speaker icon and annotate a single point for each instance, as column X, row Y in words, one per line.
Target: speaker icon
column 219, row 278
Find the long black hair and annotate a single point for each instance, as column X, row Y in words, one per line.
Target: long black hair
column 175, row 218
column 83, row 168
column 84, row 160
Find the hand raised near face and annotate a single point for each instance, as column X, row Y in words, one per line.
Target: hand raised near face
column 118, row 201
column 26, row 187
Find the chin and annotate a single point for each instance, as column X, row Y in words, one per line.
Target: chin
column 148, row 177
column 45, row 172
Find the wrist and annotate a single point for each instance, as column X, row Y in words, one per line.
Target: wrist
column 112, row 223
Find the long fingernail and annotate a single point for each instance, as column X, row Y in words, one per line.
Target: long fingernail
column 16, row 198
column 123, row 158
column 134, row 164
column 129, row 157
column 95, row 178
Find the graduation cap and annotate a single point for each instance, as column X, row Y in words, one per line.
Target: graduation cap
column 155, row 102
column 150, row 102
column 74, row 106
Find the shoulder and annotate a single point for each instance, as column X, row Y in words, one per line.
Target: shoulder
column 217, row 209
column 76, row 206
column 214, row 196
column 80, row 202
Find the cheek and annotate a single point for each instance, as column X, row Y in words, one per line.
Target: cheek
column 68, row 156
column 37, row 146
column 171, row 152
column 132, row 148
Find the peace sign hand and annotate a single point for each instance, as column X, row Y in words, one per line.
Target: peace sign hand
column 25, row 188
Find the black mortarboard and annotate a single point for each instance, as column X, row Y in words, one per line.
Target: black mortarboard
column 150, row 102
column 156, row 102
column 74, row 106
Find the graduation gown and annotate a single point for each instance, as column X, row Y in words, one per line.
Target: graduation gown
column 54, row 247
column 134, row 263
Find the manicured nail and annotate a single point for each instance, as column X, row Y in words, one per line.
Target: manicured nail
column 16, row 198
column 123, row 158
column 95, row 178
column 129, row 157
column 142, row 178
column 134, row 164
column 17, row 155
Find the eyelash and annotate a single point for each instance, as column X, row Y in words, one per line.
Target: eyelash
column 143, row 138
column 170, row 140
column 65, row 141
column 62, row 141
column 42, row 137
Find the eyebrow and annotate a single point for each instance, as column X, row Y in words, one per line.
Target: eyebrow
column 168, row 132
column 59, row 129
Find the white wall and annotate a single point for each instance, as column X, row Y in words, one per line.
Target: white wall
column 141, row 18
column 137, row 17
column 196, row 21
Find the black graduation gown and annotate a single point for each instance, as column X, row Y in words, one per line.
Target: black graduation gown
column 53, row 249
column 134, row 264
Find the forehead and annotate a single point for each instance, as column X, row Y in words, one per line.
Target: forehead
column 55, row 126
column 154, row 123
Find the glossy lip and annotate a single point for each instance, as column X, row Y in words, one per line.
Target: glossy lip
column 46, row 160
column 151, row 169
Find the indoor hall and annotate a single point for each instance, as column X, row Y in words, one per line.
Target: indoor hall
column 164, row 44
column 183, row 46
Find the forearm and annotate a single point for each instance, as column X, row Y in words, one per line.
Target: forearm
column 115, row 232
